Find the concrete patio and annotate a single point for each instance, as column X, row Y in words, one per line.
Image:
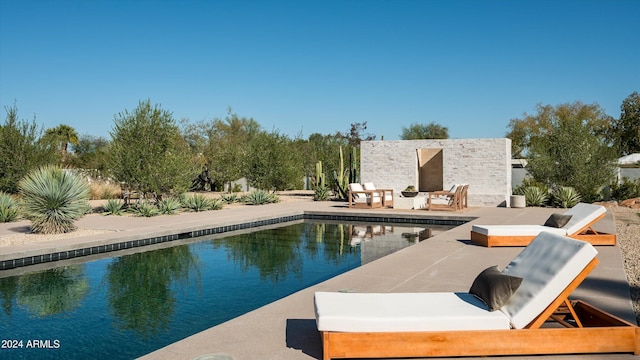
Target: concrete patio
column 286, row 328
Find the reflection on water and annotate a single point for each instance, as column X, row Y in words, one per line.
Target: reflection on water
column 127, row 306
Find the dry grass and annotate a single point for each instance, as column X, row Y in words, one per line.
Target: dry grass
column 105, row 190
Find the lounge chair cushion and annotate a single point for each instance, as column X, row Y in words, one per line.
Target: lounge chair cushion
column 400, row 312
column 582, row 215
column 515, row 230
column 494, row 288
column 547, row 265
column 557, row 220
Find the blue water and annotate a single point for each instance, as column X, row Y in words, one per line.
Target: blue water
column 124, row 307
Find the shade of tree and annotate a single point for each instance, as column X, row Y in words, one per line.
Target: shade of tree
column 53, row 291
column 22, row 149
column 149, row 153
column 141, row 287
column 63, row 135
column 627, row 128
column 569, row 149
column 424, row 131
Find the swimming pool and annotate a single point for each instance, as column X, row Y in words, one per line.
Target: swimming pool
column 127, row 306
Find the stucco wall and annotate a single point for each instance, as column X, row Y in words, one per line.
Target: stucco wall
column 484, row 164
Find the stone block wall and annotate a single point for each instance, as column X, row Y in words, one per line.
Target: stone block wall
column 484, row 164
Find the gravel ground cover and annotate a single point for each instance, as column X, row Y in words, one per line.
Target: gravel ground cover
column 628, row 232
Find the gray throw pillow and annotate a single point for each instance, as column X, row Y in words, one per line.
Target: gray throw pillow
column 557, row 220
column 494, row 288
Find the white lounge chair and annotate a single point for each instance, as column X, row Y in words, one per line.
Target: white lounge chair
column 579, row 226
column 354, row 325
column 361, row 198
column 387, row 194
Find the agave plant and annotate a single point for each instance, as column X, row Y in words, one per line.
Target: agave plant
column 145, row 209
column 216, row 204
column 9, row 209
column 260, row 197
column 169, row 206
column 321, row 193
column 229, row 198
column 565, row 196
column 535, row 196
column 196, row 203
column 114, row 207
column 53, row 199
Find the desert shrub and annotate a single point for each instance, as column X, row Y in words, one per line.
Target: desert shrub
column 535, row 196
column 565, row 197
column 197, row 203
column 260, row 197
column 9, row 210
column 237, row 188
column 53, row 199
column 626, row 189
column 321, row 193
column 114, row 207
column 169, row 206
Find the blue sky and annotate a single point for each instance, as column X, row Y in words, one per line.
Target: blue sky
column 301, row 67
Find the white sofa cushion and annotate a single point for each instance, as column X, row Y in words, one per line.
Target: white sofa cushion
column 398, row 312
column 547, row 265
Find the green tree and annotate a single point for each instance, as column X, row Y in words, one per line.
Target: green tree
column 627, row 128
column 226, row 151
column 149, row 153
column 274, row 162
column 523, row 131
column 570, row 151
column 356, row 134
column 63, row 135
column 22, row 149
column 421, row 131
column 91, row 153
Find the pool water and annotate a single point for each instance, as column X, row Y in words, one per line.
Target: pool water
column 127, row 306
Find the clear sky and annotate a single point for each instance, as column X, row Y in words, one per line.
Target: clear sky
column 307, row 66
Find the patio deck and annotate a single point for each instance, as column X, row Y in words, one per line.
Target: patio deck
column 286, row 328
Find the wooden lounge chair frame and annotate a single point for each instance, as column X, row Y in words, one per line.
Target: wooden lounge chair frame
column 586, row 233
column 455, row 200
column 371, row 196
column 384, row 193
column 585, row 329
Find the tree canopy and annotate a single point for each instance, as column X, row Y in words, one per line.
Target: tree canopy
column 566, row 145
column 424, row 131
column 148, row 152
column 627, row 129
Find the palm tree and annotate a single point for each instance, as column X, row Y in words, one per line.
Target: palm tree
column 65, row 135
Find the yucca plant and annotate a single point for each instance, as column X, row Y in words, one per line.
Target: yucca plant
column 9, row 209
column 565, row 196
column 535, row 196
column 113, row 207
column 53, row 199
column 169, row 206
column 260, row 197
column 196, row 202
column 145, row 209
